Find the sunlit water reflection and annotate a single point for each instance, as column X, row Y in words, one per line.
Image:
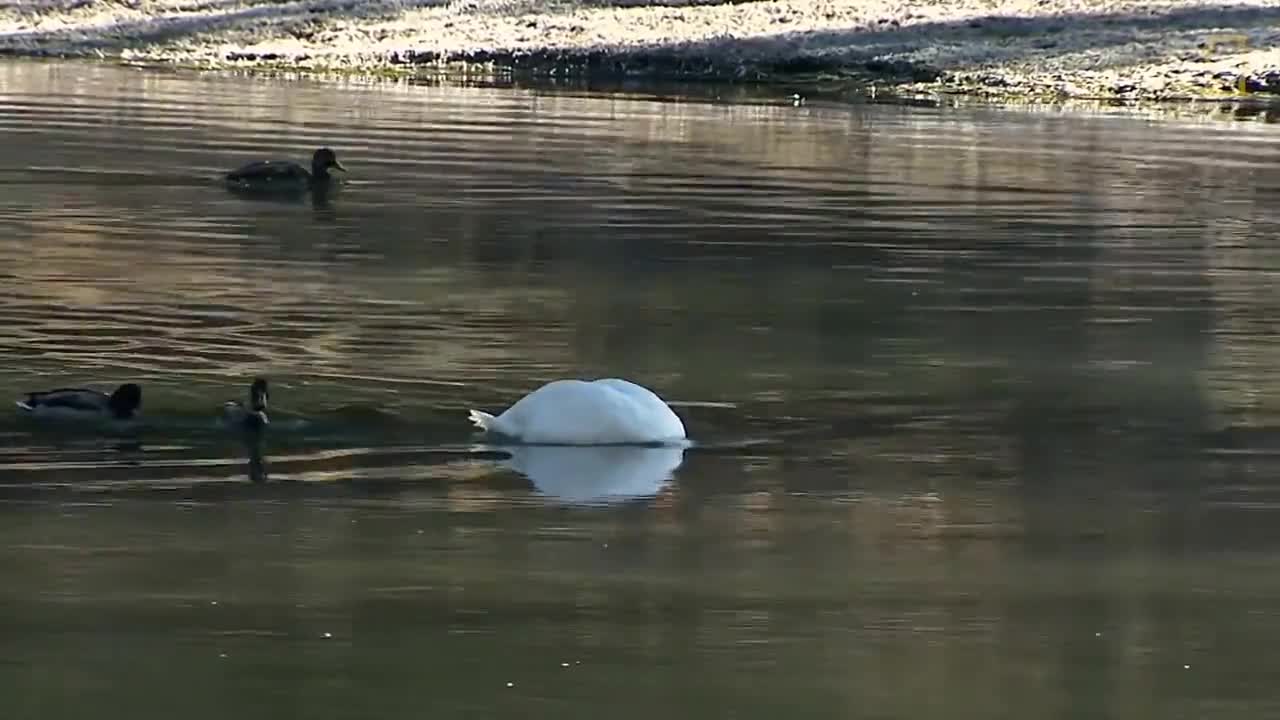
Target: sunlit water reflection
column 983, row 402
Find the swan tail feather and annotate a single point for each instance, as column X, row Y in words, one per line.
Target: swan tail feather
column 482, row 420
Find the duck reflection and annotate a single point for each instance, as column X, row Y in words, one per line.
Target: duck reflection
column 318, row 197
column 252, row 438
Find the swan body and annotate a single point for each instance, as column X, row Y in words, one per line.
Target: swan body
column 83, row 404
column 577, row 412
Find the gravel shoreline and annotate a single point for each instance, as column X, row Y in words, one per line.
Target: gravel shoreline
column 1030, row 49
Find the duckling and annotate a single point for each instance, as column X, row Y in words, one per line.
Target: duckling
column 83, row 404
column 285, row 174
column 254, row 415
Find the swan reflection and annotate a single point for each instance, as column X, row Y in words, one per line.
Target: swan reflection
column 599, row 474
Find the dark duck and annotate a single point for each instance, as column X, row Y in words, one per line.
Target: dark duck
column 286, row 175
column 84, row 404
column 250, row 416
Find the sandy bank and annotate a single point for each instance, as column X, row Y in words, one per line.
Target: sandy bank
column 1048, row 48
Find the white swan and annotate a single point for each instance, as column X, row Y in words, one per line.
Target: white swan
column 575, row 412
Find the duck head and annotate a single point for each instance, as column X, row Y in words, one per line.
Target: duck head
column 322, row 160
column 125, row 401
column 256, row 416
column 258, row 395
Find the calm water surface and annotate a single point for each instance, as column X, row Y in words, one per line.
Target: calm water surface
column 986, row 408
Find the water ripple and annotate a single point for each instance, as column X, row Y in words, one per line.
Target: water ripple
column 905, row 275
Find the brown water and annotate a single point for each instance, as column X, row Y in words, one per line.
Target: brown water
column 984, row 407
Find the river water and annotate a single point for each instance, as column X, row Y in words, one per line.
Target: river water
column 983, row 401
